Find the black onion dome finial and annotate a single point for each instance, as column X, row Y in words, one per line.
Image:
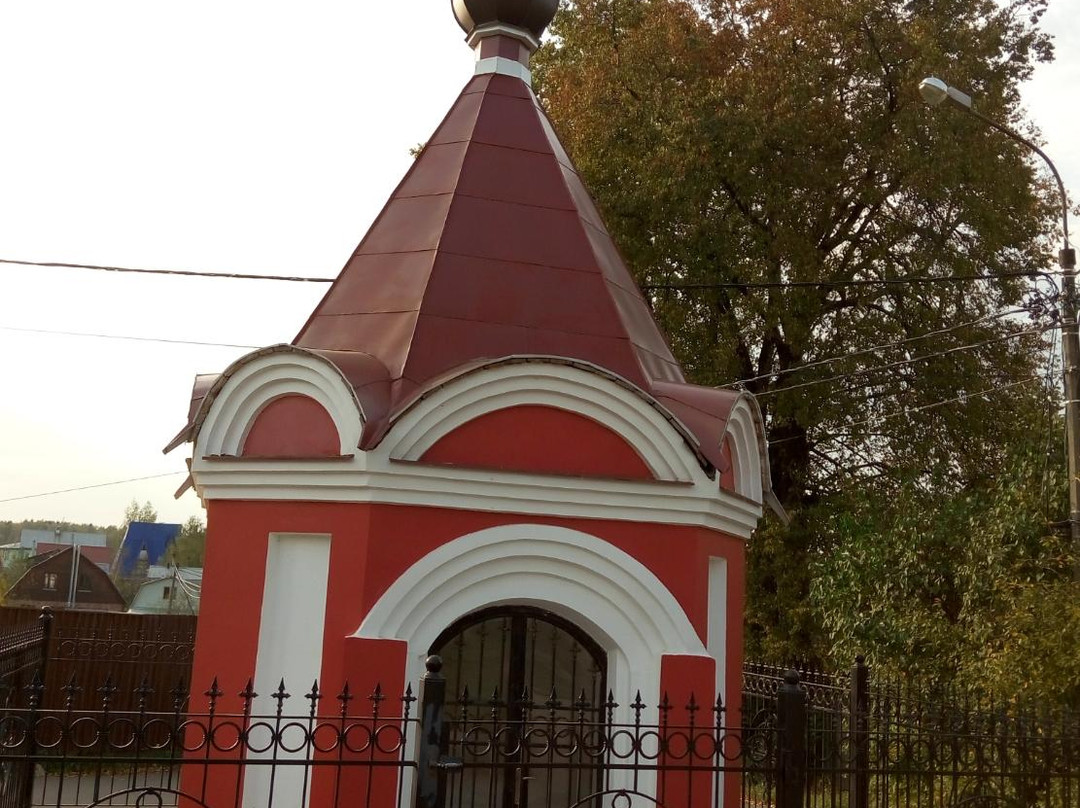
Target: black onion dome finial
column 531, row 15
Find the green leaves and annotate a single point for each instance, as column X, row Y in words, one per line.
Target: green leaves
column 961, row 589
column 732, row 143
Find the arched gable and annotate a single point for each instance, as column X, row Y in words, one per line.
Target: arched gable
column 623, row 410
column 539, row 439
column 744, row 436
column 258, row 379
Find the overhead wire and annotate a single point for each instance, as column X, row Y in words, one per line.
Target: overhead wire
column 909, row 361
column 911, row 281
column 189, row 273
column 92, row 335
column 917, row 280
column 875, row 348
column 89, row 487
column 911, row 410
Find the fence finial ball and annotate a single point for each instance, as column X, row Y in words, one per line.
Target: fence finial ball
column 532, row 15
column 433, row 663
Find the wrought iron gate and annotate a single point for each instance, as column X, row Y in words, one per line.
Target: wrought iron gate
column 505, row 669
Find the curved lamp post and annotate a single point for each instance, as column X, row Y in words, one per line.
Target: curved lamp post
column 936, row 92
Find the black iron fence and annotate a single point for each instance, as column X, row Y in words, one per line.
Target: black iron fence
column 810, row 741
column 895, row 745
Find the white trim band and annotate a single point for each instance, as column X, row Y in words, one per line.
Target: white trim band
column 504, row 67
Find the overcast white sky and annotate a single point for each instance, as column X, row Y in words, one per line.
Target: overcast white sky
column 220, row 135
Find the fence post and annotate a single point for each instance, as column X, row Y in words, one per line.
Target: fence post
column 46, row 620
column 859, row 730
column 430, row 777
column 791, row 760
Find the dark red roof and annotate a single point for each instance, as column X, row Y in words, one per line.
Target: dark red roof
column 98, row 555
column 490, row 247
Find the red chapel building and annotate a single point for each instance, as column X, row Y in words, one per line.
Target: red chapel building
column 479, row 428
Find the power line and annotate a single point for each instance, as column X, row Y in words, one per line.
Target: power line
column 181, row 272
column 903, row 362
column 875, row 348
column 123, row 337
column 89, row 487
column 963, row 397
column 648, row 287
column 913, row 281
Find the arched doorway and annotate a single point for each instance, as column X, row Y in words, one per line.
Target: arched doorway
column 517, row 676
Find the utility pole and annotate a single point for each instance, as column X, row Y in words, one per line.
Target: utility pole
column 935, row 91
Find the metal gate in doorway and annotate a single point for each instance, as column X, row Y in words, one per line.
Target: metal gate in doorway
column 505, row 669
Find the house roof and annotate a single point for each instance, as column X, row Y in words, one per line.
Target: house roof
column 153, row 537
column 98, row 555
column 44, row 558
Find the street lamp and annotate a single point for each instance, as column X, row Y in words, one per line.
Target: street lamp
column 936, row 92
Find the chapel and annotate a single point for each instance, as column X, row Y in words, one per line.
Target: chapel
column 479, row 432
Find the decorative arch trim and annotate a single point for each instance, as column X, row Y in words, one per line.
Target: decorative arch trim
column 260, row 378
column 572, row 388
column 749, row 452
column 604, row 590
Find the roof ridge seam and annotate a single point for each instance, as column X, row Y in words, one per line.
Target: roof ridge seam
column 442, row 234
column 382, row 213
column 551, row 132
column 608, row 298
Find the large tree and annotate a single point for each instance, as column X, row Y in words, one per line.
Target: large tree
column 781, row 193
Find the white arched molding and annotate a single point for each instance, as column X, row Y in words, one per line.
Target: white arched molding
column 256, row 380
column 750, row 456
column 564, row 387
column 608, row 593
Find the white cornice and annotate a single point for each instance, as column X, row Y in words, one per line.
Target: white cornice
column 415, row 484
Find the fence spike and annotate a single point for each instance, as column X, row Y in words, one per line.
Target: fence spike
column 143, row 691
column 214, row 691
column 248, row 694
column 70, row 690
column 582, row 703
column 345, row 696
column 314, row 695
column 692, row 705
column 280, row 695
column 376, row 699
column 179, row 694
column 664, row 708
column 107, row 691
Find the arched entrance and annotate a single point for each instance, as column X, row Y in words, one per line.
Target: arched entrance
column 514, row 674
